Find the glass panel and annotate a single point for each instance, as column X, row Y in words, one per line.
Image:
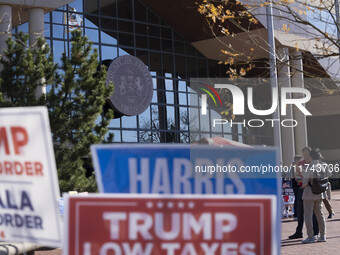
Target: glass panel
column 78, row 5
column 141, row 42
column 192, row 68
column 184, row 118
column 202, row 67
column 154, row 43
column 108, row 52
column 122, row 52
column 155, row 62
column 144, row 119
column 93, row 23
column 154, row 96
column 217, row 128
column 108, row 5
column 167, row 45
column 152, row 18
column 178, row 37
column 180, row 66
column 169, row 84
column 190, row 50
column 109, row 24
column 125, row 9
column 182, row 98
column 154, row 81
column 115, row 123
column 154, row 31
column 155, row 118
column 108, row 37
column 47, row 17
column 193, row 99
column 92, row 34
column 156, row 137
column 129, row 122
column 179, row 47
column 116, row 135
column 129, row 136
column 47, row 30
column 58, row 48
column 126, row 40
column 58, row 17
column 141, row 29
column 125, row 26
column 145, row 136
column 182, row 86
column 194, row 124
column 168, row 65
column 91, row 6
column 227, row 128
column 185, row 137
column 143, row 55
column 170, row 115
column 59, row 32
column 140, row 11
column 166, row 33
column 170, row 97
column 204, row 122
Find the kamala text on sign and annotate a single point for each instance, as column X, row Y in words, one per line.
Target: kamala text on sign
column 170, row 225
column 28, row 178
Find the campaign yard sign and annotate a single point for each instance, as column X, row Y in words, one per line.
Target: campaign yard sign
column 287, row 189
column 29, row 188
column 183, row 169
column 124, row 224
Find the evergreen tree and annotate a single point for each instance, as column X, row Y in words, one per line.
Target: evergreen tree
column 75, row 98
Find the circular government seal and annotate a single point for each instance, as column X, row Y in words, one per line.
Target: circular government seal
column 133, row 85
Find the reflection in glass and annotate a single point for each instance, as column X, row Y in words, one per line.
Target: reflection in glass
column 129, row 136
column 129, row 122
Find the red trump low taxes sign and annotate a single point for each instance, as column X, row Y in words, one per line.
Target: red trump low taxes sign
column 170, row 225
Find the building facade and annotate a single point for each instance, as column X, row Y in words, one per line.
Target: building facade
column 129, row 27
column 172, row 40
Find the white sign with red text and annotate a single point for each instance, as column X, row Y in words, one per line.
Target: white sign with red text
column 29, row 189
column 170, row 225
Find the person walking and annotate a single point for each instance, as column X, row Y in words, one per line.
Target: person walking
column 313, row 202
column 326, row 201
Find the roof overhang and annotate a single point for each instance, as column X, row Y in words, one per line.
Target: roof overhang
column 20, row 8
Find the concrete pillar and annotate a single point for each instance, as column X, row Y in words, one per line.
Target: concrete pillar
column 287, row 133
column 5, row 26
column 297, row 80
column 36, row 24
column 36, row 30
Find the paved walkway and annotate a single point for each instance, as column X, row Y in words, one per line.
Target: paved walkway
column 331, row 247
column 295, row 247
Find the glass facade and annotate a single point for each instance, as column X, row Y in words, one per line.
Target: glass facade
column 121, row 27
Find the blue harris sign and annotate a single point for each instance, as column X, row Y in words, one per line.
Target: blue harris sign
column 185, row 169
